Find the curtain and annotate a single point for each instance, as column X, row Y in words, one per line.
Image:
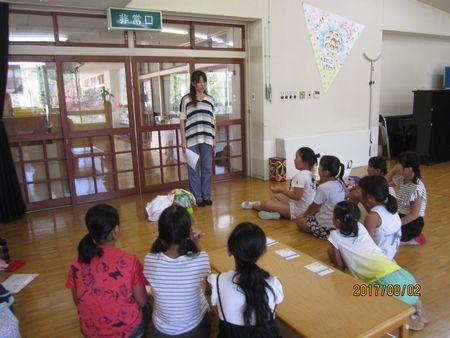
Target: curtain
column 11, row 201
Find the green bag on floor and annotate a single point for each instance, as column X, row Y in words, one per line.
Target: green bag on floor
column 184, row 198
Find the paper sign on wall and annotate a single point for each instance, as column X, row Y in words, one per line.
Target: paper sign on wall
column 332, row 38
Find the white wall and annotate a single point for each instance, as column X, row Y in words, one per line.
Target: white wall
column 410, row 62
column 415, row 17
column 345, row 107
column 250, row 9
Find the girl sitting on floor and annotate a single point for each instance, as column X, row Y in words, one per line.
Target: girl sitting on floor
column 377, row 166
column 382, row 222
column 412, row 196
column 293, row 201
column 176, row 269
column 107, row 284
column 318, row 218
column 246, row 297
column 352, row 246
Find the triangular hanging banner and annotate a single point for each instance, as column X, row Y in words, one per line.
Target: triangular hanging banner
column 332, row 38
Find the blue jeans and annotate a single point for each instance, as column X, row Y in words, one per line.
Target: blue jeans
column 200, row 178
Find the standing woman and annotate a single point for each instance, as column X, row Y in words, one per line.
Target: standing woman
column 197, row 126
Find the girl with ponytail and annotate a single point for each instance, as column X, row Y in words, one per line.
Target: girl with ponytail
column 246, row 297
column 176, row 269
column 290, row 203
column 318, row 218
column 352, row 246
column 382, row 222
column 108, row 285
column 411, row 195
column 377, row 166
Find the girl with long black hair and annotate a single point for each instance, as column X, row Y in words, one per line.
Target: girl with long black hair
column 411, row 196
column 290, row 203
column 247, row 296
column 351, row 246
column 108, row 285
column 176, row 268
column 382, row 222
column 197, row 128
column 318, row 218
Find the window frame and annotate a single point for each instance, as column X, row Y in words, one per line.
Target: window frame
column 57, row 42
column 192, row 36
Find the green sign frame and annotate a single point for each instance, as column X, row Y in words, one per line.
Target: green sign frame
column 134, row 19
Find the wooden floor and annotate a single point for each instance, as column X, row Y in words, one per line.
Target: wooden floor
column 47, row 240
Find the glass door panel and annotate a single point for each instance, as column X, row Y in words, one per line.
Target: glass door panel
column 224, row 85
column 100, row 132
column 96, row 95
column 33, row 122
column 161, row 87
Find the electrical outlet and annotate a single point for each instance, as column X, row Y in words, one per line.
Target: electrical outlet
column 316, row 94
column 302, row 95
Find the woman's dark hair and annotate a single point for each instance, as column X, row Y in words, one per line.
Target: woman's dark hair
column 195, row 77
column 333, row 166
column 247, row 243
column 308, row 156
column 380, row 163
column 348, row 213
column 411, row 159
column 377, row 187
column 100, row 220
column 174, row 228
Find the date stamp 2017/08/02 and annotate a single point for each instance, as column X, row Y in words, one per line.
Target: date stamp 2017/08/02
column 388, row 290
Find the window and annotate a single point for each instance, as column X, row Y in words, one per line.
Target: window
column 72, row 29
column 33, row 95
column 96, row 95
column 172, row 35
column 217, row 36
column 224, row 85
column 83, row 29
column 161, row 87
column 31, row 28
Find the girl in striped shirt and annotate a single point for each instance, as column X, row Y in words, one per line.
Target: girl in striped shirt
column 176, row 268
column 411, row 196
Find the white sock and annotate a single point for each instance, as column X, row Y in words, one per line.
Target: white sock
column 249, row 205
column 410, row 242
column 269, row 215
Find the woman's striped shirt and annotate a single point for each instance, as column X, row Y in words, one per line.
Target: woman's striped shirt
column 200, row 121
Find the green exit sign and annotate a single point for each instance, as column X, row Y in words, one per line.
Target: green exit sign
column 134, row 19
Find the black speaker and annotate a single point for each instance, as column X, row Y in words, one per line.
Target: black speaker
column 431, row 115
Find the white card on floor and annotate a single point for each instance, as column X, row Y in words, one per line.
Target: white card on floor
column 270, row 241
column 319, row 268
column 287, row 253
column 17, row 282
column 325, row 272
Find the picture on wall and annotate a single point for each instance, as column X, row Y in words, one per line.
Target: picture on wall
column 332, row 38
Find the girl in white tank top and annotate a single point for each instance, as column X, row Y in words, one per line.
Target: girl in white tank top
column 382, row 222
column 388, row 233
